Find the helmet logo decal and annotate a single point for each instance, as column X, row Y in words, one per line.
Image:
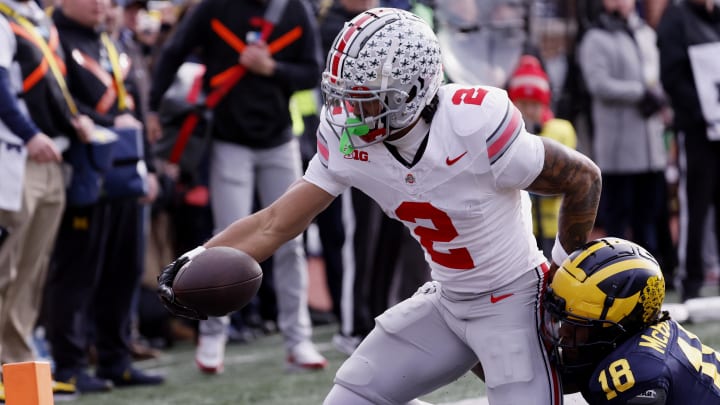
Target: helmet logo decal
column 652, row 297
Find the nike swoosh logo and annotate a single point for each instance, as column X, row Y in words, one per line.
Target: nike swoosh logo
column 494, row 299
column 451, row 162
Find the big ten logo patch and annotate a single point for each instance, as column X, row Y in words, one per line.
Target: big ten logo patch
column 360, row 155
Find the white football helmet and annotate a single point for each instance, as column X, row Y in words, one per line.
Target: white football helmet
column 383, row 68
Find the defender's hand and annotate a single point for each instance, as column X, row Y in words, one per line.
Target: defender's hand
column 166, row 293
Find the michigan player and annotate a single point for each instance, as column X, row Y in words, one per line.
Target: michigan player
column 610, row 338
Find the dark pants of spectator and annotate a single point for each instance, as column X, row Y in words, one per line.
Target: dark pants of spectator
column 634, row 202
column 700, row 187
column 399, row 269
column 153, row 318
column 332, row 238
column 367, row 225
column 95, row 273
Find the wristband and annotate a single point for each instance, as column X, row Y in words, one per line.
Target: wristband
column 558, row 252
column 191, row 254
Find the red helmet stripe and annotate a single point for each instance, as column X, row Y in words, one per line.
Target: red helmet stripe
column 345, row 42
column 334, row 64
column 351, row 30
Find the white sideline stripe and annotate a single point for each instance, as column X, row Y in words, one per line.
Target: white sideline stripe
column 572, row 399
column 697, row 310
column 703, row 309
column 677, row 311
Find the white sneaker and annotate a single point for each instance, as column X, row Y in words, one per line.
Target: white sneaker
column 304, row 357
column 346, row 344
column 210, row 353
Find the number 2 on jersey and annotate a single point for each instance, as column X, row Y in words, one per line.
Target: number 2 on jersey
column 469, row 96
column 444, row 231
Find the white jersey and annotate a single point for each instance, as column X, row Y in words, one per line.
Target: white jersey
column 463, row 199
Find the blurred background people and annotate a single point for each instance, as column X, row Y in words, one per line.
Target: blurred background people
column 482, row 40
column 253, row 149
column 530, row 91
column 689, row 41
column 97, row 263
column 37, row 119
column 620, row 66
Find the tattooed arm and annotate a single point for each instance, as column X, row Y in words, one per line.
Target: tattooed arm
column 574, row 176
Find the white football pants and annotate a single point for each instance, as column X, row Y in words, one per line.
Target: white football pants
column 430, row 340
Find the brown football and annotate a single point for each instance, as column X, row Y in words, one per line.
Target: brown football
column 218, row 281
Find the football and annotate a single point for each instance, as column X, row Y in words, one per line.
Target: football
column 218, row 281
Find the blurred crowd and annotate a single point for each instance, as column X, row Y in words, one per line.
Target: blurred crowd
column 132, row 130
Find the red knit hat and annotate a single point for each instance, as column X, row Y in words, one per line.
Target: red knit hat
column 529, row 81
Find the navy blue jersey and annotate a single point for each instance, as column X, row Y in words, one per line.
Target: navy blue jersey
column 665, row 357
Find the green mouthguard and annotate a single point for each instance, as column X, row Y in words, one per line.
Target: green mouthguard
column 346, row 147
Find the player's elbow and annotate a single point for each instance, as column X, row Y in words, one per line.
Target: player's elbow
column 587, row 183
column 593, row 173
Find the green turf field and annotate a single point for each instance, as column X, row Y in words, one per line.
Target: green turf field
column 254, row 375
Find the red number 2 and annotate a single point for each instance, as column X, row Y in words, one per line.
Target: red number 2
column 444, row 231
column 469, row 96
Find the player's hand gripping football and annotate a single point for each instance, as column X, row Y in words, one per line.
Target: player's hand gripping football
column 166, row 293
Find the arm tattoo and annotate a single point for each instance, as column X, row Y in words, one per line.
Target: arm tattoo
column 575, row 177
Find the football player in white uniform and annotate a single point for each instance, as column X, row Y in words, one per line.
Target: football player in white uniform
column 450, row 162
